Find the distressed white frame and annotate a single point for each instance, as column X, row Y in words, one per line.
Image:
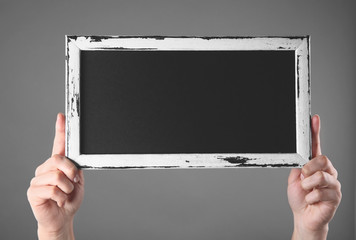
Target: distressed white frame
column 75, row 44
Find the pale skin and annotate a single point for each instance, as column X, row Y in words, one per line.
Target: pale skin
column 314, row 193
column 57, row 190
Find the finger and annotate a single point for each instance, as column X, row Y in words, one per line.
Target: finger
column 319, row 163
column 320, row 180
column 54, row 178
column 326, row 195
column 58, row 162
column 38, row 195
column 316, row 148
column 59, row 139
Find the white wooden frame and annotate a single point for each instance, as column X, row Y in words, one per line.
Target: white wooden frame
column 75, row 44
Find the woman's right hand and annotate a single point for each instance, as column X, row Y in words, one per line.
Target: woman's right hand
column 56, row 191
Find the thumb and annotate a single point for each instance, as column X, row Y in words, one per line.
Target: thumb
column 295, row 175
column 59, row 139
column 316, row 149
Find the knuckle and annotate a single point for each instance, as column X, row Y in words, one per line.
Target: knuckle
column 58, row 176
column 323, row 160
column 322, row 176
column 32, row 182
column 338, row 189
column 53, row 190
column 339, row 196
column 338, row 186
column 317, row 194
column 28, row 193
column 37, row 171
column 56, row 158
column 336, row 173
column 303, row 183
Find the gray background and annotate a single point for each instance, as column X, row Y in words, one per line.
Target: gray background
column 168, row 204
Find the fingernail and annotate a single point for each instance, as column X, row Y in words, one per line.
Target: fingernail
column 302, row 176
column 76, row 178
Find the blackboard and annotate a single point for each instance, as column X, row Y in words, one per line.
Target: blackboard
column 159, row 105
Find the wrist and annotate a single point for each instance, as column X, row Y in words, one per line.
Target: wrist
column 64, row 233
column 303, row 232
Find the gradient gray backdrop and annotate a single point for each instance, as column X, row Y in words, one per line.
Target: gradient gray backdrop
column 168, row 204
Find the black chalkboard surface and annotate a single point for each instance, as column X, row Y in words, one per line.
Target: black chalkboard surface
column 182, row 102
column 187, row 102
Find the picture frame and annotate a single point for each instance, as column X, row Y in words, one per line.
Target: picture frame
column 300, row 45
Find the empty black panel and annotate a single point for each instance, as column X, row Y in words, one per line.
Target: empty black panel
column 187, row 102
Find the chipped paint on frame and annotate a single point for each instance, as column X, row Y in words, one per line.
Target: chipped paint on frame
column 299, row 44
column 185, row 161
